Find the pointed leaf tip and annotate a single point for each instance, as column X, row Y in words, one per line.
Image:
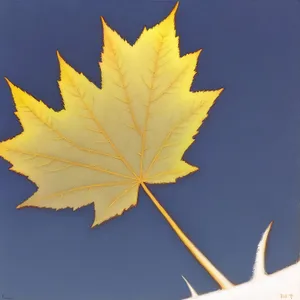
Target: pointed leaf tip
column 198, row 52
column 9, row 82
column 63, row 66
column 58, row 55
column 106, row 30
column 173, row 12
column 19, row 206
column 171, row 16
column 175, row 8
column 13, row 89
column 104, row 24
column 62, row 63
column 221, row 90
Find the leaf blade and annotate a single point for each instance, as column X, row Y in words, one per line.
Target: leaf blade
column 108, row 141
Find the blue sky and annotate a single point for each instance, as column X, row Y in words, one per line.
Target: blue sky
column 247, row 150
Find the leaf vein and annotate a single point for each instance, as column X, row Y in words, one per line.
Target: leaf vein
column 73, row 163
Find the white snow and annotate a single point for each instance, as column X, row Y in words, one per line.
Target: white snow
column 283, row 284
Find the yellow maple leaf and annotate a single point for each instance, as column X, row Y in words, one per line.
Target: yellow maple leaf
column 108, row 142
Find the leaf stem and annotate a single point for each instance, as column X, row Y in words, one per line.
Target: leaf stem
column 200, row 257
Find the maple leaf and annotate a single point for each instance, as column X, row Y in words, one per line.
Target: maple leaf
column 107, row 143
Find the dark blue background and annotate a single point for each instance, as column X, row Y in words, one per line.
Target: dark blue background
column 248, row 152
